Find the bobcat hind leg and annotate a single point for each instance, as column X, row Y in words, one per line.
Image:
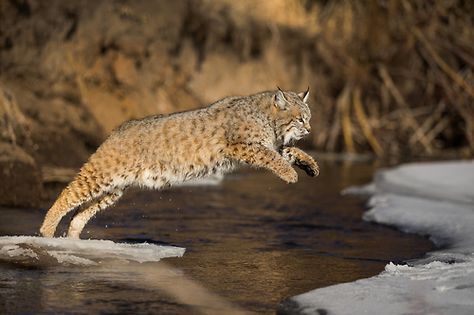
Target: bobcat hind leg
column 70, row 198
column 80, row 220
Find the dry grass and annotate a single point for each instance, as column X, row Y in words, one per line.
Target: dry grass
column 13, row 124
column 396, row 77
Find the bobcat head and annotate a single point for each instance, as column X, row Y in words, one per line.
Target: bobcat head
column 292, row 115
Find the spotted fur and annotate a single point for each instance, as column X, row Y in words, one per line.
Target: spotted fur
column 160, row 151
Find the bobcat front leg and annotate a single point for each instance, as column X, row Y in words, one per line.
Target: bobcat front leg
column 301, row 159
column 261, row 156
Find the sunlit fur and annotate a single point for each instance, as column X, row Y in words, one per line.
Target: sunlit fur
column 159, row 151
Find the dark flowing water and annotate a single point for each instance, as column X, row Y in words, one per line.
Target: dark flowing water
column 250, row 242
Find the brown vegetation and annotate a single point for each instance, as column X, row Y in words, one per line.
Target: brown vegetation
column 401, row 74
column 388, row 77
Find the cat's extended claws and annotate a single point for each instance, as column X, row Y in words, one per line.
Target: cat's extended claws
column 311, row 168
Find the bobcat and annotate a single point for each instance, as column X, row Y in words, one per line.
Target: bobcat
column 159, row 151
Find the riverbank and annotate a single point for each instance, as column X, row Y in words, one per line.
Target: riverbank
column 435, row 199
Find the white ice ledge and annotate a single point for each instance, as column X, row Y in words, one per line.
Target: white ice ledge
column 435, row 199
column 39, row 250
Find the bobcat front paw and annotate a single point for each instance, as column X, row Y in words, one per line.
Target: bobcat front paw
column 311, row 167
column 290, row 176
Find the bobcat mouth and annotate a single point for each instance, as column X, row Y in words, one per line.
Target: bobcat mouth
column 294, row 135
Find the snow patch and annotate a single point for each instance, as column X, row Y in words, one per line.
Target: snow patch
column 435, row 199
column 15, row 251
column 446, row 181
column 40, row 250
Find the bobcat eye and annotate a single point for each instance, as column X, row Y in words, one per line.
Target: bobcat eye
column 301, row 120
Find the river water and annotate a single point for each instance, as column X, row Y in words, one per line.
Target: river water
column 251, row 242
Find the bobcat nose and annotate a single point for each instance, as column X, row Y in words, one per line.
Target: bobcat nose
column 307, row 127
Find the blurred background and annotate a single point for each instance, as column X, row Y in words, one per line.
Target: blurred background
column 387, row 78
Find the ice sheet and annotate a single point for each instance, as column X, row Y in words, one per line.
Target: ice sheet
column 453, row 180
column 434, row 288
column 40, row 250
column 435, row 199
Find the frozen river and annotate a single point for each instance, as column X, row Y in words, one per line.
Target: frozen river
column 250, row 243
column 435, row 199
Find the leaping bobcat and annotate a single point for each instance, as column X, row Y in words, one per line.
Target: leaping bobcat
column 159, row 151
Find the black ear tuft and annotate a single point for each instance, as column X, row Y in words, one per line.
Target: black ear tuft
column 304, row 95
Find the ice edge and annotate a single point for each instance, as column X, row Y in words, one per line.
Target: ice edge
column 435, row 199
column 37, row 250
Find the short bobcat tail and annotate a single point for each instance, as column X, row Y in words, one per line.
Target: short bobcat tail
column 69, row 199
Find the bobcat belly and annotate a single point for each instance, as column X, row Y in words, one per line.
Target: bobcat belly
column 150, row 180
column 154, row 180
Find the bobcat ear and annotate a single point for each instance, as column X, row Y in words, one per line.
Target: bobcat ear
column 280, row 99
column 304, row 95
